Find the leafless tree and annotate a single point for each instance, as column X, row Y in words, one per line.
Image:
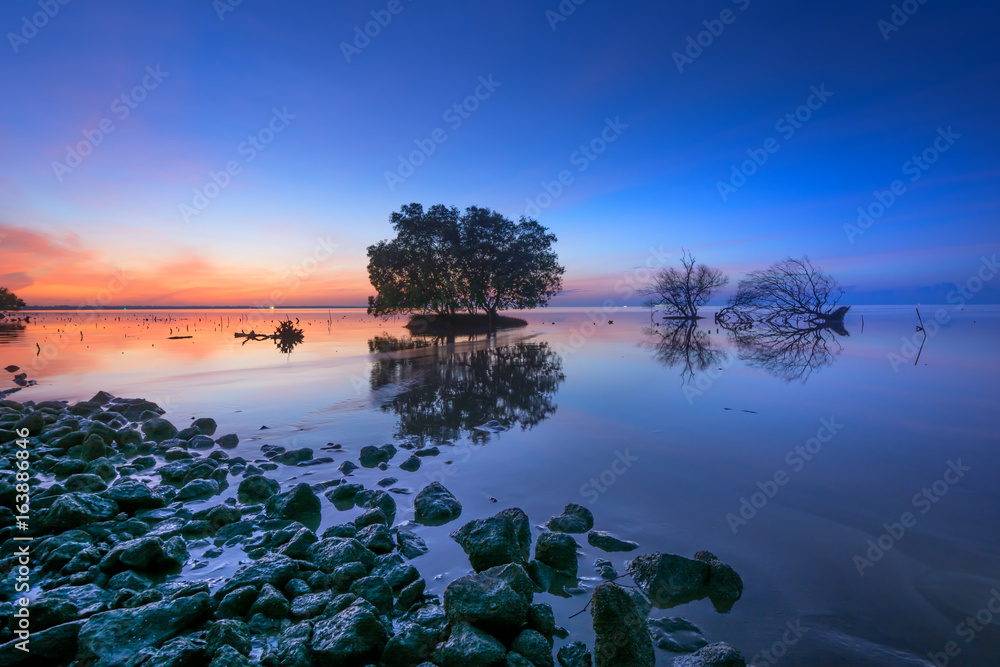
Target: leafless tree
column 789, row 293
column 684, row 345
column 680, row 292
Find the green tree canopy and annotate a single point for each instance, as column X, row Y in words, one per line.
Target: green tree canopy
column 9, row 300
column 444, row 262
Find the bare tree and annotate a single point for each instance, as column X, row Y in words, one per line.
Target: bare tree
column 786, row 293
column 684, row 345
column 681, row 292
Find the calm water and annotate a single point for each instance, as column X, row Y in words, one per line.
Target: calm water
column 697, row 423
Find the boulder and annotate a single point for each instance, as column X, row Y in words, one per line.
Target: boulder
column 574, row 654
column 158, row 429
column 608, row 542
column 719, row 654
column 496, row 600
column 470, row 647
column 535, row 647
column 574, row 519
column 668, row 579
column 113, row 637
column 351, row 638
column 132, row 496
column 274, row 569
column 300, row 504
column 72, row 510
column 725, row 586
column 256, row 489
column 622, row 637
column 558, row 551
column 497, row 540
column 435, row 505
column 330, row 553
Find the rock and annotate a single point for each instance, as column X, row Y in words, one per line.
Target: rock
column 205, row 425
column 574, row 519
column 410, row 544
column 343, row 492
column 370, row 456
column 309, row 605
column 375, row 590
column 292, row 648
column 377, row 538
column 410, row 595
column 496, row 600
column 435, row 505
column 298, row 546
column 227, row 656
column 237, row 603
column 294, row 456
column 347, row 467
column 228, row 633
column 497, row 540
column 256, row 489
column 535, row 647
column 669, row 580
column 201, row 442
column 52, row 646
column 270, row 603
column 344, row 575
column 725, row 586
column 197, row 489
column 622, row 637
column 676, row 634
column 470, row 647
column 93, row 448
column 377, row 499
column 719, row 654
column 85, row 482
column 557, row 550
column 72, row 510
column 411, row 464
column 300, row 504
column 174, row 653
column 113, row 637
column 371, row 517
column 352, row 637
column 228, row 441
column 411, row 645
column 330, row 553
column 273, row 569
column 574, row 654
column 159, row 429
column 132, row 496
column 33, row 421
column 541, row 618
column 608, row 542
column 395, row 572
column 146, row 554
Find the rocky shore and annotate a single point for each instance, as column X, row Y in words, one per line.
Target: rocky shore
column 119, row 498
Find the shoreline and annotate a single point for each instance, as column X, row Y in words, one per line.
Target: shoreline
column 109, row 540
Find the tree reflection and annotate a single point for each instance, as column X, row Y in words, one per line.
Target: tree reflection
column 790, row 351
column 446, row 393
column 682, row 343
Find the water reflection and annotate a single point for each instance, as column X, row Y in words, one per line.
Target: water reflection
column 790, row 351
column 682, row 343
column 446, row 391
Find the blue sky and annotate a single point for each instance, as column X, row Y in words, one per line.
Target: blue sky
column 641, row 125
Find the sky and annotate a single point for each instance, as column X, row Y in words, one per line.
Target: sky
column 230, row 152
